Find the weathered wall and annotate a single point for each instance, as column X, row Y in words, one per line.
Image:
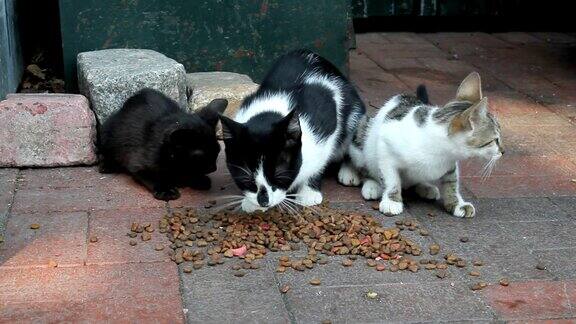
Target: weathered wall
column 371, row 8
column 10, row 53
column 242, row 36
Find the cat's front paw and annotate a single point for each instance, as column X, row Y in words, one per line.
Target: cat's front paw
column 348, row 176
column 250, row 207
column 390, row 207
column 167, row 194
column 464, row 209
column 309, row 197
column 371, row 190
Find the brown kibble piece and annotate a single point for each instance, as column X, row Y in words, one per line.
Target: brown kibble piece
column 52, row 264
column 159, row 247
column 504, row 282
column 187, row 269
column 478, row 286
column 434, row 249
column 146, row 236
column 474, row 273
column 371, row 263
column 93, row 239
column 285, row 288
column 34, row 226
column 228, row 253
column 424, row 232
column 236, row 267
column 380, row 267
column 239, row 273
column 441, row 274
column 133, row 243
column 281, row 269
column 315, row 282
column 478, row 263
column 464, row 239
column 347, row 262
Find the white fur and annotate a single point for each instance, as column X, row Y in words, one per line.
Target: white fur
column 280, row 102
column 415, row 154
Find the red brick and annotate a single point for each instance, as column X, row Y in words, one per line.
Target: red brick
column 60, row 238
column 335, row 192
column 514, row 187
column 46, row 130
column 558, row 38
column 7, row 186
column 529, row 300
column 74, row 177
column 105, row 196
column 113, row 293
column 111, row 228
column 403, row 38
column 518, row 38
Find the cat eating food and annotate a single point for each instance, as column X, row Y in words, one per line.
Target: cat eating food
column 160, row 145
column 302, row 118
column 411, row 143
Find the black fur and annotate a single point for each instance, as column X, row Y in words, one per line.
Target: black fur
column 160, row 145
column 276, row 139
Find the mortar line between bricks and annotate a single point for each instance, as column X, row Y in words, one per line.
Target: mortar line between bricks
column 386, row 70
column 87, row 238
column 181, row 291
column 12, row 199
column 285, row 301
column 567, row 296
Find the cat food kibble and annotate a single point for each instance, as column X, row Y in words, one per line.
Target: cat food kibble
column 34, row 226
column 315, row 282
column 285, row 288
column 93, row 239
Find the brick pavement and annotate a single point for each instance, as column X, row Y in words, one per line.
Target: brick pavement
column 526, row 215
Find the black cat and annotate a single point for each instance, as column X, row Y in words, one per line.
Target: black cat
column 160, row 145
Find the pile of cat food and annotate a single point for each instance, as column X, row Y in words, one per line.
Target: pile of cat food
column 203, row 239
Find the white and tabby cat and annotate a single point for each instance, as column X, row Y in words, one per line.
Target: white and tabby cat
column 413, row 144
column 303, row 117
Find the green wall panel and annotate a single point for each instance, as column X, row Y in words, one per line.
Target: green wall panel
column 233, row 35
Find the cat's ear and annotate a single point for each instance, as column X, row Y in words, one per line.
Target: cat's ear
column 478, row 112
column 469, row 118
column 211, row 112
column 470, row 89
column 230, row 128
column 292, row 125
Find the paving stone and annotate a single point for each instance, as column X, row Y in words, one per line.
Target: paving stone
column 126, row 293
column 334, row 274
column 522, row 165
column 215, row 295
column 529, row 300
column 517, row 187
column 108, row 77
column 105, row 196
column 7, row 187
column 395, row 303
column 542, row 235
column 519, row 210
column 74, row 177
column 46, row 130
column 558, row 38
column 567, row 204
column 207, row 86
column 61, row 238
column 111, row 228
column 559, row 262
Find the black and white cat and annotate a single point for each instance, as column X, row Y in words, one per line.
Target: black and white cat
column 284, row 135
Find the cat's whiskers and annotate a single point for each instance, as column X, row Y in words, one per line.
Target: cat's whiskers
column 312, row 208
column 221, row 207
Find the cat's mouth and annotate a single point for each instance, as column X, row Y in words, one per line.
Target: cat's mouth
column 262, row 200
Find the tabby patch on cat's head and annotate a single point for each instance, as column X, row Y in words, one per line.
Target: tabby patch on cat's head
column 263, row 157
column 470, row 122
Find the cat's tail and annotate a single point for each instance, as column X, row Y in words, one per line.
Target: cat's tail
column 422, row 94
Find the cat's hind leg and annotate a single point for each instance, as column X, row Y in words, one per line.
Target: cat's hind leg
column 347, row 175
column 309, row 194
column 427, row 191
column 453, row 201
column 371, row 189
column 391, row 203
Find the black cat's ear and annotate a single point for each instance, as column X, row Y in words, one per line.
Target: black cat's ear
column 211, row 112
column 292, row 124
column 230, row 128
